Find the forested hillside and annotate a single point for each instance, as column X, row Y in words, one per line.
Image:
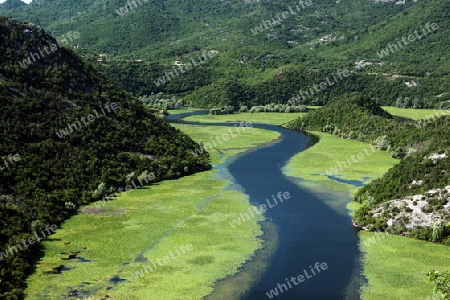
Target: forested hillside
column 423, row 172
column 69, row 137
column 192, row 25
column 419, row 186
column 352, row 116
column 263, row 61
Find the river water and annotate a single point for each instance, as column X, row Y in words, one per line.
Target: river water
column 310, row 230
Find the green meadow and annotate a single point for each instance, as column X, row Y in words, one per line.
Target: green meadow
column 395, row 266
column 325, row 156
column 415, row 114
column 118, row 242
column 265, row 118
column 244, row 139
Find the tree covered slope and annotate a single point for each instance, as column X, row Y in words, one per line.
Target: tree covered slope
column 413, row 197
column 253, row 46
column 354, row 116
column 68, row 137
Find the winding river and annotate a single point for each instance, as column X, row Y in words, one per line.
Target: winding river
column 310, row 230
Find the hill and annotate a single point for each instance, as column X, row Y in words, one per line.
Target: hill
column 405, row 42
column 12, row 4
column 412, row 198
column 270, row 60
column 353, row 116
column 70, row 137
column 122, row 28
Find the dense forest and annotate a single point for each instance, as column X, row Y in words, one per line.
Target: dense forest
column 45, row 175
column 354, row 116
column 257, row 69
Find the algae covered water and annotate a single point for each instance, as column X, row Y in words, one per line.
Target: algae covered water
column 318, row 256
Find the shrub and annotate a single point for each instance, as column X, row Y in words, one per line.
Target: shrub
column 100, row 191
column 441, row 281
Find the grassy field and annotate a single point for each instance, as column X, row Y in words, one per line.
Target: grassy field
column 265, row 118
column 135, row 247
column 281, row 118
column 395, row 266
column 246, row 139
column 332, row 152
column 415, row 114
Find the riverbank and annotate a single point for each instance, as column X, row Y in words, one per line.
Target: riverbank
column 160, row 222
column 339, row 164
column 415, row 114
column 242, row 140
column 394, row 266
column 136, row 246
column 264, row 118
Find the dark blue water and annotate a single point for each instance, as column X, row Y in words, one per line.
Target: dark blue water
column 356, row 183
column 309, row 230
column 175, row 118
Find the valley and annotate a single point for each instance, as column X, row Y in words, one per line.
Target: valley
column 304, row 173
column 119, row 224
column 224, row 150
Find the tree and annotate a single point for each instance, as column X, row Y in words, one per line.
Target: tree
column 438, row 231
column 442, row 282
column 100, row 191
column 243, row 109
column 36, row 225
